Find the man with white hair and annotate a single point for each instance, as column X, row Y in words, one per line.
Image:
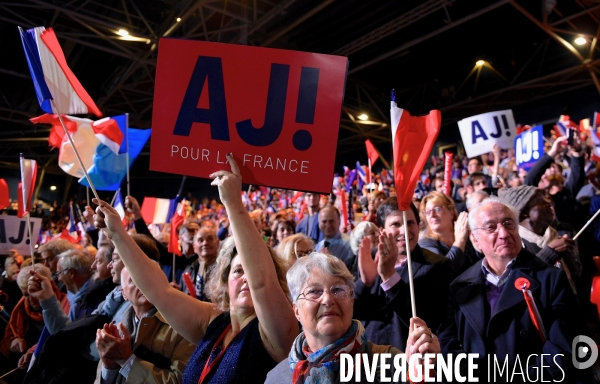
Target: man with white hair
column 488, row 313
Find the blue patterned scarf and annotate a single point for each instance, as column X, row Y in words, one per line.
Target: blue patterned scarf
column 323, row 366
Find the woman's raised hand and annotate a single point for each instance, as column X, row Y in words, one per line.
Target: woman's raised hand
column 107, row 218
column 461, row 230
column 366, row 265
column 229, row 183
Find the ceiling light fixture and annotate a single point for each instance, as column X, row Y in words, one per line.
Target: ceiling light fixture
column 363, row 117
column 580, row 40
column 122, row 32
column 480, row 63
column 53, row 187
column 178, row 19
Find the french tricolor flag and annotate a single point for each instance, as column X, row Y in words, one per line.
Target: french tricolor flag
column 27, row 185
column 87, row 135
column 158, row 211
column 52, row 77
column 413, row 138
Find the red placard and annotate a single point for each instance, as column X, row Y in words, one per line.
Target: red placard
column 277, row 111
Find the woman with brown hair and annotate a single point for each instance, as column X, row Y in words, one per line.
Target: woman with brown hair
column 447, row 232
column 252, row 326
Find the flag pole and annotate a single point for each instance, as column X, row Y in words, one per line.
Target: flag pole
column 75, row 151
column 173, row 274
column 180, row 187
column 410, row 271
column 87, row 192
column 30, row 238
column 172, row 229
column 127, row 149
column 112, row 202
column 586, row 225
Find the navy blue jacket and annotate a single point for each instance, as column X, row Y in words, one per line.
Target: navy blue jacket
column 386, row 314
column 509, row 330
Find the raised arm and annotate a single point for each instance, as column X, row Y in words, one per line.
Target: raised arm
column 188, row 316
column 278, row 324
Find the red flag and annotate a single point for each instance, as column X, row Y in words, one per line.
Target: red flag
column 64, row 234
column 371, row 152
column 28, row 176
column 345, row 221
column 176, row 222
column 4, row 195
column 413, row 137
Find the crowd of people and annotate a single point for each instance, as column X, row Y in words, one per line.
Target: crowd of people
column 275, row 286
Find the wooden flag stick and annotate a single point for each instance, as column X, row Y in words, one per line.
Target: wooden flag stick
column 586, row 225
column 75, row 151
column 173, row 274
column 410, row 271
column 180, row 188
column 112, row 202
column 87, row 192
column 127, row 149
column 30, row 238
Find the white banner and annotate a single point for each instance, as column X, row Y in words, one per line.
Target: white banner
column 14, row 234
column 479, row 133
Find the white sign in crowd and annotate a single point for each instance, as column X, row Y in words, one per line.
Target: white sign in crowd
column 480, row 132
column 14, row 234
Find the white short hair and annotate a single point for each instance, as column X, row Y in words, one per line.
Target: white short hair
column 490, row 200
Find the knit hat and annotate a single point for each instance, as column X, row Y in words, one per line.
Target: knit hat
column 517, row 197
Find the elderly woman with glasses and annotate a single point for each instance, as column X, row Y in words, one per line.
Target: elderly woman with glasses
column 322, row 291
column 447, row 232
column 294, row 247
column 250, row 326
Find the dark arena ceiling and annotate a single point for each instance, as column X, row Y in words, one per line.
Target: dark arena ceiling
column 425, row 49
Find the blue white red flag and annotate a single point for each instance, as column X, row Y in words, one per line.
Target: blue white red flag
column 176, row 221
column 361, row 172
column 120, row 206
column 72, row 224
column 86, row 137
column 158, row 211
column 27, row 185
column 100, row 145
column 52, row 77
column 109, row 169
column 39, row 346
column 350, row 179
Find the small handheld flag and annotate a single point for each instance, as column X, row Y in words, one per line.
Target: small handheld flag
column 57, row 89
column 52, row 77
column 412, row 138
column 28, row 177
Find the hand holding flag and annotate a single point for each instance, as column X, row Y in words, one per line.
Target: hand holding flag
column 412, row 137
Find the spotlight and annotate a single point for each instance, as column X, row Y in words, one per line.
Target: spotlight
column 580, row 40
column 480, row 63
column 363, row 117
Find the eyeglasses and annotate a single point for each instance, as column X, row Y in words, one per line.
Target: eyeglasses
column 58, row 273
column 437, row 211
column 316, row 293
column 301, row 253
column 490, row 228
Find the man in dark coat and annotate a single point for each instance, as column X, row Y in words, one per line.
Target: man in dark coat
column 488, row 314
column 382, row 293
